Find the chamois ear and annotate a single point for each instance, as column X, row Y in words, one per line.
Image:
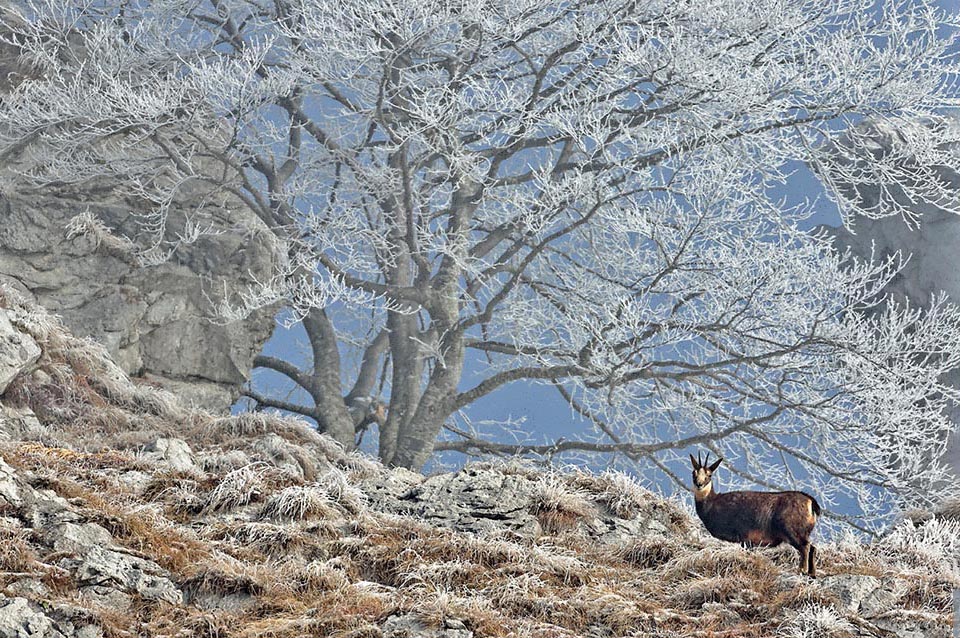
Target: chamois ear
column 694, row 463
column 713, row 467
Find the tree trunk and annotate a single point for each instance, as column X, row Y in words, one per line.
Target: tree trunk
column 418, row 437
column 333, row 418
column 399, row 271
column 405, row 382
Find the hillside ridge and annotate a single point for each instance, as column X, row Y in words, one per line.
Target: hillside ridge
column 124, row 513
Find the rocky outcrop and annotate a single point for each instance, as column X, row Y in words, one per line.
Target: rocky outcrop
column 84, row 252
column 492, row 499
column 20, row 351
column 156, row 321
column 82, row 553
column 173, row 452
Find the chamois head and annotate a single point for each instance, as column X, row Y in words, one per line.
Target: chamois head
column 702, row 474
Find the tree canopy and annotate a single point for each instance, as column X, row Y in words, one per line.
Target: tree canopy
column 588, row 194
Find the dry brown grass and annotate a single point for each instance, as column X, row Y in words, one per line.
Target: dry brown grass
column 251, row 539
column 560, row 507
column 652, row 552
column 221, row 580
column 300, row 503
column 312, row 559
column 950, row 509
column 16, row 552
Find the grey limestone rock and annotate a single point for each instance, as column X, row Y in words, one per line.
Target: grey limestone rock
column 105, row 574
column 876, row 603
column 73, row 537
column 156, row 321
column 476, row 499
column 903, row 624
column 55, row 620
column 19, row 424
column 488, row 499
column 852, row 589
column 611, row 530
column 135, row 480
column 28, row 588
column 174, row 452
column 881, row 600
column 38, row 508
column 116, row 570
column 18, row 351
column 18, row 619
column 11, row 490
column 409, row 626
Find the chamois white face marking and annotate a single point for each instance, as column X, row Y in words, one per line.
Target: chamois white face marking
column 702, row 483
column 702, row 473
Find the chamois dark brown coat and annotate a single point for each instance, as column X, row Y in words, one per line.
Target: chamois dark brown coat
column 756, row 518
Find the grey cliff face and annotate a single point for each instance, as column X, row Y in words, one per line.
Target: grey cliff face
column 929, row 248
column 156, row 321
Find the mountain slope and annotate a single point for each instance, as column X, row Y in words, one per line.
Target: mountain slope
column 123, row 513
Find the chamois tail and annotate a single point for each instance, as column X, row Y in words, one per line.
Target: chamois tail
column 814, row 505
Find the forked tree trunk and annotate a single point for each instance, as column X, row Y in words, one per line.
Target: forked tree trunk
column 419, row 435
column 417, row 439
column 333, row 418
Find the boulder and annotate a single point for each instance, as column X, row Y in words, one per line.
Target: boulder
column 112, row 569
column 157, row 321
column 19, row 620
column 410, row 626
column 71, row 537
column 84, row 251
column 174, row 452
column 852, row 589
column 19, row 424
column 11, row 488
column 490, row 499
column 478, row 498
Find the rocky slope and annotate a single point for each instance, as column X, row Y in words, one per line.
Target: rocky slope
column 122, row 513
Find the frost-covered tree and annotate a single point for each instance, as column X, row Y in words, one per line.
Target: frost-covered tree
column 580, row 194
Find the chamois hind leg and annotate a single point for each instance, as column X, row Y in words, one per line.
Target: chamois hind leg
column 811, row 564
column 804, row 550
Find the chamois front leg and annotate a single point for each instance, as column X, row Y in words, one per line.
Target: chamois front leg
column 807, row 552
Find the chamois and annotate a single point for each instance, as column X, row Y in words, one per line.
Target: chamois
column 756, row 518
